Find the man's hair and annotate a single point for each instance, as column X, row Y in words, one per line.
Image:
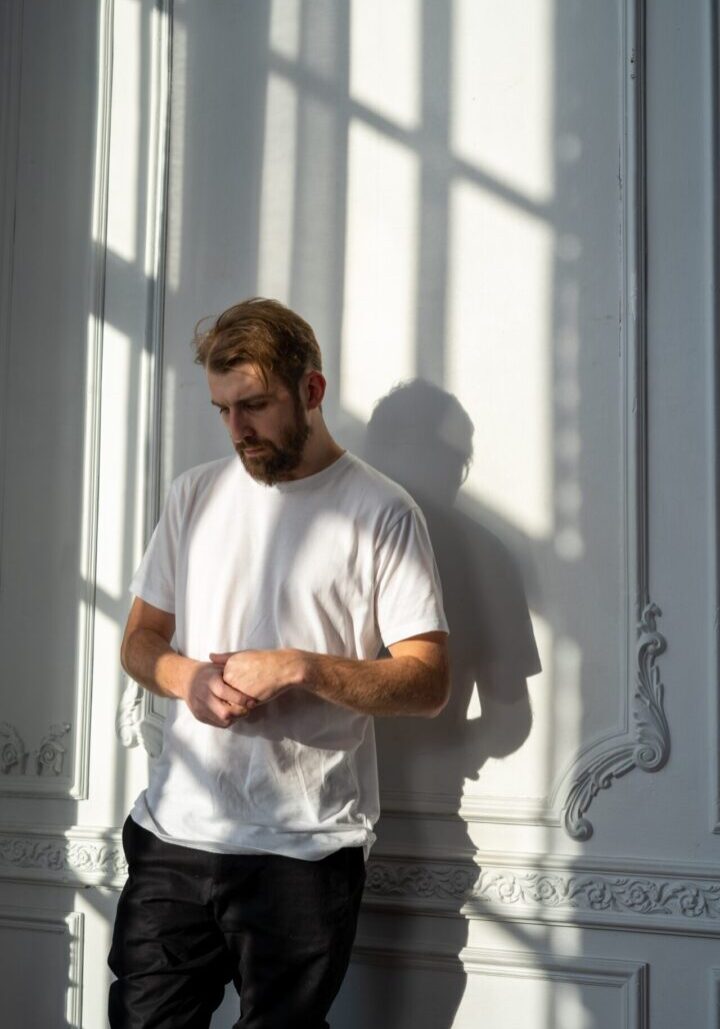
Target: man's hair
column 263, row 333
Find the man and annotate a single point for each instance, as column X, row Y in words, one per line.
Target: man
column 280, row 576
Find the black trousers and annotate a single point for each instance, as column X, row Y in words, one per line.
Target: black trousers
column 189, row 922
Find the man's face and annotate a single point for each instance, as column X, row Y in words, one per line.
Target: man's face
column 267, row 424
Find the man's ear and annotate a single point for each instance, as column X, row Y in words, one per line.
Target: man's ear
column 315, row 386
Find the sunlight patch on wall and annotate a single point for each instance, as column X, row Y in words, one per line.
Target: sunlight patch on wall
column 142, row 435
column 474, row 708
column 566, row 699
column 108, row 634
column 91, row 439
column 113, row 460
column 378, row 337
column 569, row 542
column 127, row 111
column 156, row 105
column 169, row 430
column 285, row 28
column 502, row 75
column 277, row 202
column 503, row 995
column 498, row 365
column 385, row 58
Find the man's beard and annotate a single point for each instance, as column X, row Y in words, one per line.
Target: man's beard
column 276, row 465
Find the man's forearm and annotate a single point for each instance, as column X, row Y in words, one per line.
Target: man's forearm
column 150, row 660
column 387, row 686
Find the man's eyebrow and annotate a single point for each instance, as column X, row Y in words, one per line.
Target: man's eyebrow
column 245, row 400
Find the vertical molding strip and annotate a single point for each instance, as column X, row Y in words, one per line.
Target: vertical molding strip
column 73, row 926
column 714, row 997
column 646, row 744
column 137, row 721
column 714, row 400
column 91, row 472
column 11, row 40
column 152, row 721
column 75, row 923
column 158, row 249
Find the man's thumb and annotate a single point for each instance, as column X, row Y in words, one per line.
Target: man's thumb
column 220, row 659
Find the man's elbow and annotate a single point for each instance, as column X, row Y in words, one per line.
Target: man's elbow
column 125, row 653
column 439, row 698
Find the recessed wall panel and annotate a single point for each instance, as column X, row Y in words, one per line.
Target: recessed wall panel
column 44, row 469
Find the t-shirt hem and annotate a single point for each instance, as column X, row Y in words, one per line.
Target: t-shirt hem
column 307, row 845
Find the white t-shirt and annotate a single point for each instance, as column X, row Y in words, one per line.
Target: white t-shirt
column 339, row 563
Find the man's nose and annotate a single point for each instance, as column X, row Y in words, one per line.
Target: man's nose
column 239, row 425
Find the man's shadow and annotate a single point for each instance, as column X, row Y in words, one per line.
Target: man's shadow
column 422, row 437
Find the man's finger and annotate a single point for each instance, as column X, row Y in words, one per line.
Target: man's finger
column 220, row 659
column 225, row 714
column 231, row 696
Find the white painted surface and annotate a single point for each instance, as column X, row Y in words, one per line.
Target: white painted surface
column 468, row 212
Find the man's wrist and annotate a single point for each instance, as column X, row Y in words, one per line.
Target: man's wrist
column 306, row 670
column 179, row 674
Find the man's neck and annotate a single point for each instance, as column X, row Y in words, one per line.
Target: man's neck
column 320, row 452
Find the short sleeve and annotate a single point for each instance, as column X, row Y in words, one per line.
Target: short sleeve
column 154, row 580
column 408, row 593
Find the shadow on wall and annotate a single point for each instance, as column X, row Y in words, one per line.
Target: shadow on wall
column 422, row 437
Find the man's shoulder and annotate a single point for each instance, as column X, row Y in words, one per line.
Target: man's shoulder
column 381, row 491
column 202, row 476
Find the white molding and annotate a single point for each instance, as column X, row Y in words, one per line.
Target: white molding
column 50, row 922
column 646, row 744
column 86, row 856
column 714, row 998
column 664, row 899
column 647, row 748
column 137, row 722
column 498, row 810
column 714, row 476
column 11, row 25
column 93, row 377
column 527, row 888
column 526, row 859
column 630, row 977
column 11, row 32
column 15, row 758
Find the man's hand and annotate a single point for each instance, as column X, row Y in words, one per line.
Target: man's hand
column 262, row 675
column 414, row 681
column 213, row 701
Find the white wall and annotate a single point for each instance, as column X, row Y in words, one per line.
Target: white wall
column 513, row 204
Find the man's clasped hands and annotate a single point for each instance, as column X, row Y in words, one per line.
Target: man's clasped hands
column 214, row 694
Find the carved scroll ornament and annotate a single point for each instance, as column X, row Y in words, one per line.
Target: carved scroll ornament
column 650, row 748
